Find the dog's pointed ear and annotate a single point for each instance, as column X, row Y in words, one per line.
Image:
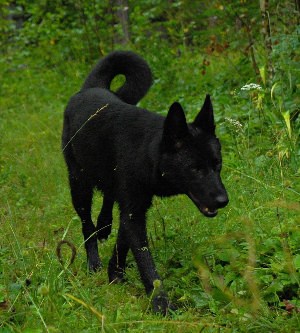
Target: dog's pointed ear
column 175, row 126
column 205, row 118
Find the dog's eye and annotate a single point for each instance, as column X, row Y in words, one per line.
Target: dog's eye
column 197, row 169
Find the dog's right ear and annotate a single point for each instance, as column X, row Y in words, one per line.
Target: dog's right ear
column 175, row 126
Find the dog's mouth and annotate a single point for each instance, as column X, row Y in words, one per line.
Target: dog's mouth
column 206, row 211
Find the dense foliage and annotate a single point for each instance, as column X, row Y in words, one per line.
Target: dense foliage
column 237, row 273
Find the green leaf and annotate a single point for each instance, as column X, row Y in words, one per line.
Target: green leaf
column 297, row 261
column 262, row 72
column 287, row 119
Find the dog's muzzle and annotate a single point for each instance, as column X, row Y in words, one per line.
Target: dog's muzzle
column 220, row 202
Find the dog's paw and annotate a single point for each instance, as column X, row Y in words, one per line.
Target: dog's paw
column 116, row 275
column 161, row 304
column 94, row 265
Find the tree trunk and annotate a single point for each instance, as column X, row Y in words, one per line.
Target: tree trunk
column 122, row 14
column 247, row 27
column 297, row 7
column 266, row 31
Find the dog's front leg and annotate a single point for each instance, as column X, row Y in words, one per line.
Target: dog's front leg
column 133, row 225
column 117, row 263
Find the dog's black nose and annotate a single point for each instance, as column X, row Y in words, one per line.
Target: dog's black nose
column 222, row 200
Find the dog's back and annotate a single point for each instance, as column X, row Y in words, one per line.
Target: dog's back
column 100, row 125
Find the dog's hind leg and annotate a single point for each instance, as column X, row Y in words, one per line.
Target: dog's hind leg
column 82, row 194
column 117, row 263
column 104, row 221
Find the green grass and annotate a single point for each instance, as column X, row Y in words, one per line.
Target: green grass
column 227, row 274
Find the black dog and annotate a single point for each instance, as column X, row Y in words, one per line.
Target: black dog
column 131, row 154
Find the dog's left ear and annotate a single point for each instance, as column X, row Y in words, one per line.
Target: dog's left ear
column 205, row 118
column 175, row 126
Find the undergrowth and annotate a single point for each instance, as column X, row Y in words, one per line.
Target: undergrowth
column 238, row 272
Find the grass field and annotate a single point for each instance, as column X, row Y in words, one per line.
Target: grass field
column 238, row 272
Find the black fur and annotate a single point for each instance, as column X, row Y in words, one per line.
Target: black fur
column 130, row 155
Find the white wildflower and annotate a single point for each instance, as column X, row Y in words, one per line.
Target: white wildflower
column 251, row 86
column 235, row 124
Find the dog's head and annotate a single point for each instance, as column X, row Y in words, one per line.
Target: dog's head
column 191, row 158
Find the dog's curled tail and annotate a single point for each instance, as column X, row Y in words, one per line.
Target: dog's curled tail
column 133, row 67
